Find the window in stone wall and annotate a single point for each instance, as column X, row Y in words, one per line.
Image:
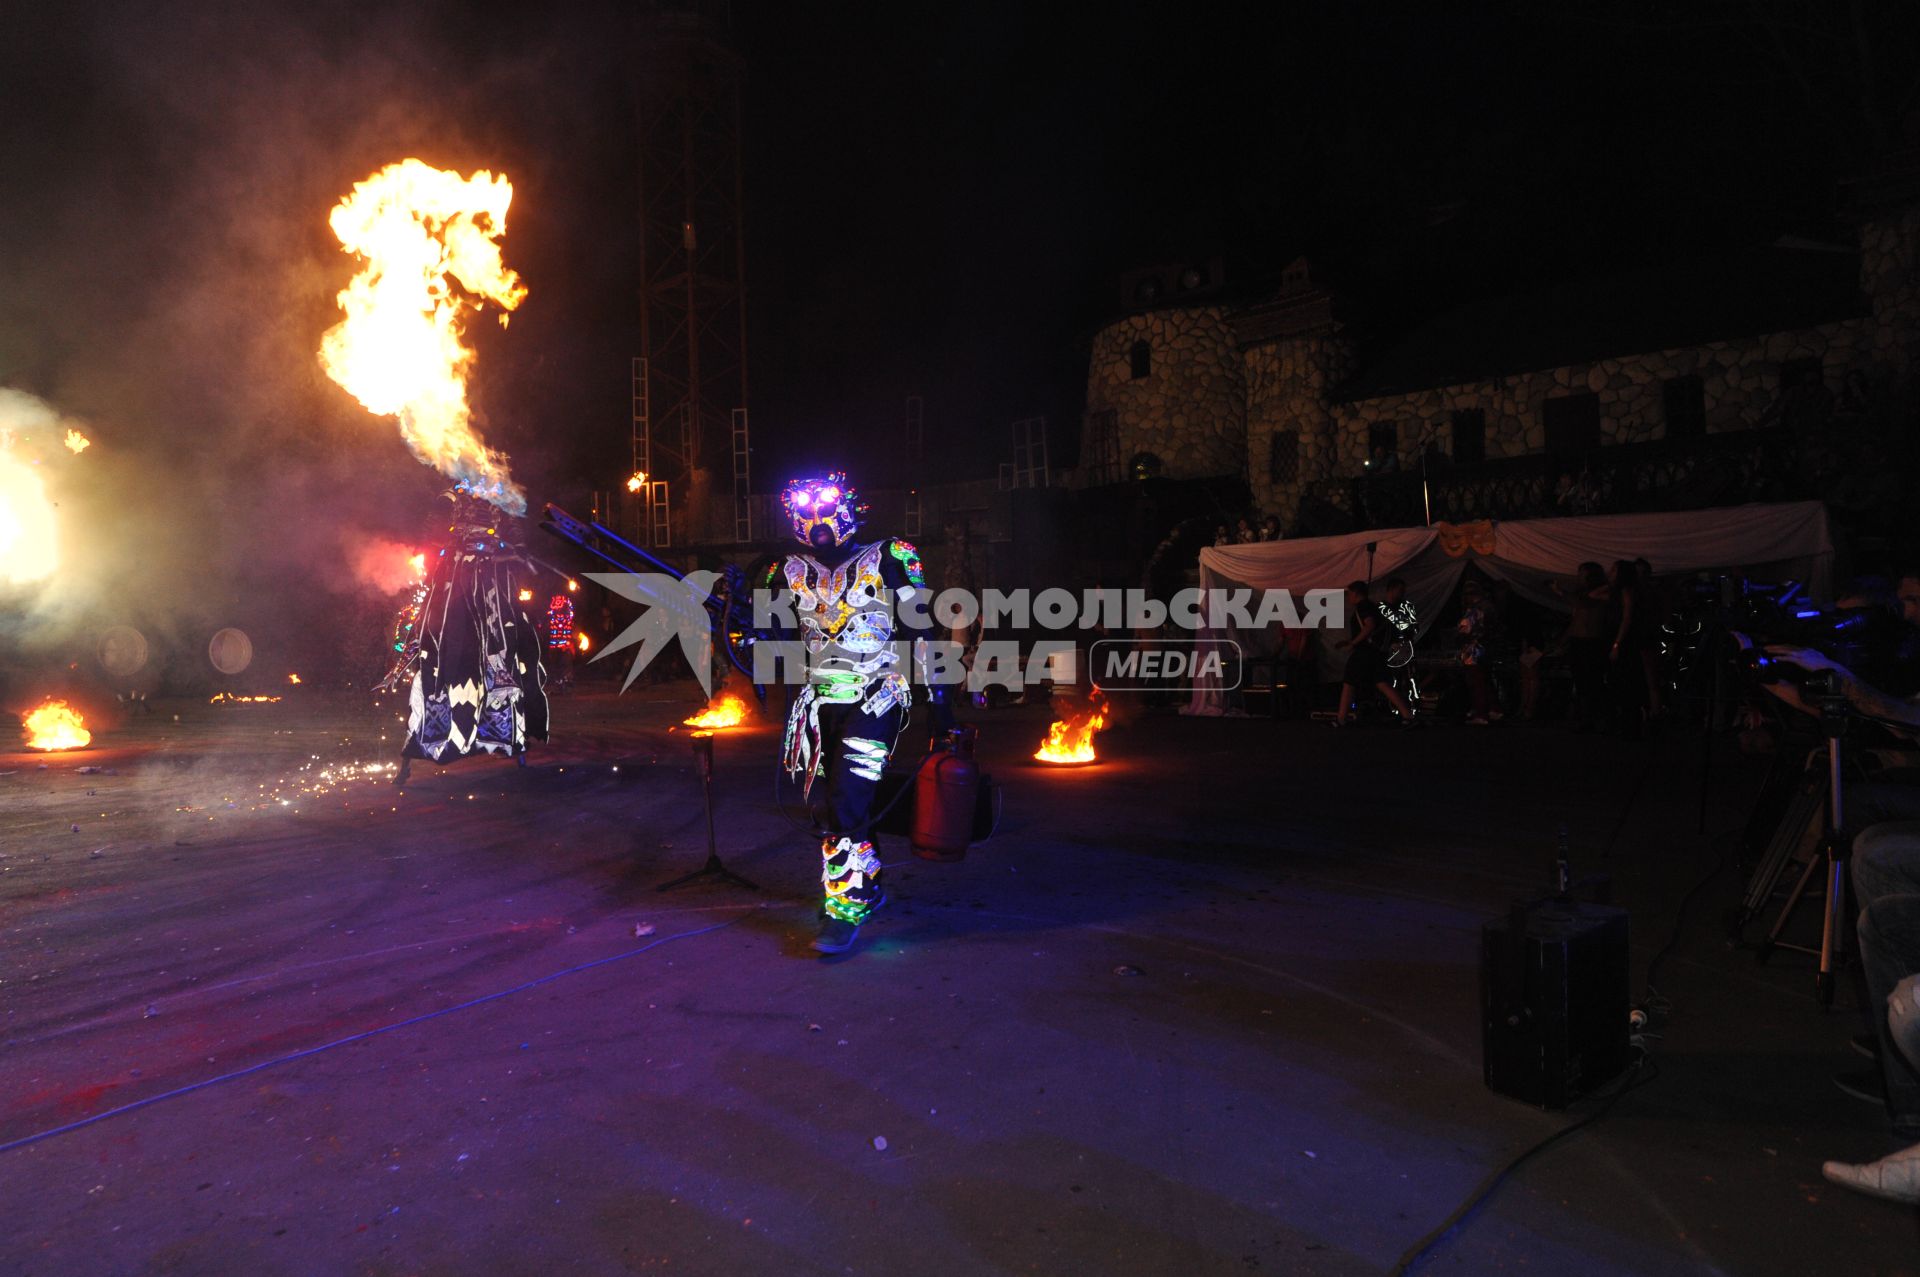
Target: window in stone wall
column 1469, row 436
column 1384, row 436
column 1142, row 359
column 1685, row 401
column 1797, row 374
column 1572, row 425
column 1283, row 462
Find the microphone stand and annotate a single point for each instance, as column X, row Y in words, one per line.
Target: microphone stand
column 703, row 750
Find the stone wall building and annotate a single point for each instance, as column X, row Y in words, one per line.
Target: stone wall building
column 1279, row 391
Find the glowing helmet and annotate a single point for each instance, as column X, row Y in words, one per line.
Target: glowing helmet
column 828, row 502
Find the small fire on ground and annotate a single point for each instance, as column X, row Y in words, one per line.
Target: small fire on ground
column 56, row 725
column 228, row 698
column 724, row 710
column 1070, row 740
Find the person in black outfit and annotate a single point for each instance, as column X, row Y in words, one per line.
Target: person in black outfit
column 1587, row 639
column 1627, row 624
column 1367, row 636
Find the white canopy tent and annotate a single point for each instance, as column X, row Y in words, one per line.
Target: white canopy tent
column 1771, row 542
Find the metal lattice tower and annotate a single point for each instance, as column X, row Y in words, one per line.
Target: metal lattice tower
column 692, row 268
column 742, row 478
column 916, row 461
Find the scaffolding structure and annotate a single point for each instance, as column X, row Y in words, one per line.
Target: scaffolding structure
column 916, row 462
column 742, row 478
column 693, row 339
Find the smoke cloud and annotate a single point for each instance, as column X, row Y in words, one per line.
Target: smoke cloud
column 169, row 273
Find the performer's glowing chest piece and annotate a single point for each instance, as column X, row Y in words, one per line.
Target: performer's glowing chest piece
column 841, row 605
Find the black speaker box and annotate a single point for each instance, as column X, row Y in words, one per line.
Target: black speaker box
column 1554, row 1000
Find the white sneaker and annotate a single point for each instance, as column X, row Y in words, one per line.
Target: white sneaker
column 1895, row 1177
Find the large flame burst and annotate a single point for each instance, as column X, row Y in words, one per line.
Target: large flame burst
column 56, row 725
column 1070, row 740
column 724, row 710
column 430, row 243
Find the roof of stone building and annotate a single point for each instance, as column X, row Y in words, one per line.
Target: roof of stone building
column 1729, row 295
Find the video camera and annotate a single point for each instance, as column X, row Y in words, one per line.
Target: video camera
column 1755, row 615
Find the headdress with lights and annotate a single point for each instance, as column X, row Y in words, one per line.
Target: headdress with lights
column 829, row 500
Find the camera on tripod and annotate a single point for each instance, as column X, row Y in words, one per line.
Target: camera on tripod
column 1755, row 615
column 1816, row 686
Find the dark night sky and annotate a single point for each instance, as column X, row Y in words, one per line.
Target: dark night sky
column 944, row 204
column 940, row 201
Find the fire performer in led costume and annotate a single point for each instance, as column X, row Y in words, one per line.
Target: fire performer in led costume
column 846, row 718
column 470, row 654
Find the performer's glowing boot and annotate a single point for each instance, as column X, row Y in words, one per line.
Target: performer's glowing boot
column 850, row 875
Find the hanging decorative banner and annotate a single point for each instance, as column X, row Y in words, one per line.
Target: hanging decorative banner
column 1458, row 538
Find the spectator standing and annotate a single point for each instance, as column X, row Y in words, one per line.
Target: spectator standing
column 1476, row 620
column 1626, row 626
column 1653, row 616
column 1587, row 643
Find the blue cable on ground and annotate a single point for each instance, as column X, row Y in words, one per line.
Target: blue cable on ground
column 69, row 1127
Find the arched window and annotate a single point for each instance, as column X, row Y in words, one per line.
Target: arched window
column 1142, row 358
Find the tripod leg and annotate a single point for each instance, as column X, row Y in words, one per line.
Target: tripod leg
column 713, row 868
column 1831, row 927
column 1793, row 901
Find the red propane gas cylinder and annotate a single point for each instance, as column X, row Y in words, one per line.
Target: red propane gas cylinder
column 944, row 796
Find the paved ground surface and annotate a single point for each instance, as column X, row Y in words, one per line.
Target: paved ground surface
column 1289, row 1084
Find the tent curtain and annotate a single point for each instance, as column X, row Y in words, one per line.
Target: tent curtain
column 1778, row 541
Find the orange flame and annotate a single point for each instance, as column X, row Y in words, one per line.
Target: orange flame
column 430, row 243
column 294, row 679
column 77, row 443
column 1070, row 740
column 419, row 565
column 228, row 698
column 56, row 725
column 583, row 641
column 724, row 710
column 637, row 481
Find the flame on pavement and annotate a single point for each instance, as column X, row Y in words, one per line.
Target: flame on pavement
column 56, row 725
column 1070, row 740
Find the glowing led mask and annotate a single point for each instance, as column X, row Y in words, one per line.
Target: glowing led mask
column 828, row 502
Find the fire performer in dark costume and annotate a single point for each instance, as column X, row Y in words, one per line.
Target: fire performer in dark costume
column 471, row 655
column 845, row 720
